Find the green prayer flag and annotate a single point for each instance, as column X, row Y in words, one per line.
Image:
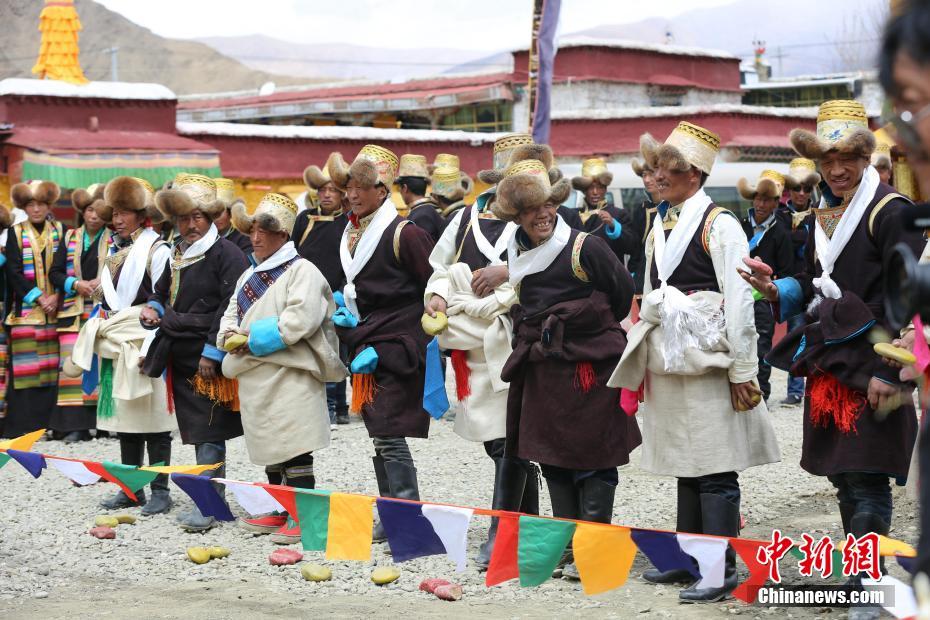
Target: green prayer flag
column 4, row 458
column 540, row 547
column 130, row 475
column 313, row 514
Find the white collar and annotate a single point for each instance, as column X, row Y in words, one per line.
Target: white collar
column 523, row 264
column 203, row 244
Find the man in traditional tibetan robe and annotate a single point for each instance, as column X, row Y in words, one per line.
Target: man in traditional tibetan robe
column 76, row 272
column 385, row 259
column 464, row 287
column 642, row 222
column 573, row 292
column 859, row 419
column 226, row 193
column 33, row 303
column 796, row 215
column 694, row 352
column 317, row 233
column 283, row 351
column 610, row 223
column 412, row 181
column 770, row 243
column 881, row 161
column 188, row 302
column 130, row 404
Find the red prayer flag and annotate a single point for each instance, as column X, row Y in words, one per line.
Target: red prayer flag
column 285, row 497
column 101, row 471
column 758, row 572
column 503, row 566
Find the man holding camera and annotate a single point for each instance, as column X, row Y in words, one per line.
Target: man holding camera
column 859, row 422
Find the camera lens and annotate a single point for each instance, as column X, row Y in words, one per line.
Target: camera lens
column 907, row 287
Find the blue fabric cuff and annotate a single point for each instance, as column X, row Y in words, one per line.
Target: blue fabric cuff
column 339, row 299
column 32, row 295
column 264, row 337
column 212, row 353
column 157, row 307
column 790, row 298
column 365, row 362
column 69, row 285
column 614, row 230
column 344, row 318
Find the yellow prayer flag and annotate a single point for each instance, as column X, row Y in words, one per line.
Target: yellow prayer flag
column 23, row 443
column 350, row 522
column 194, row 470
column 890, row 546
column 603, row 555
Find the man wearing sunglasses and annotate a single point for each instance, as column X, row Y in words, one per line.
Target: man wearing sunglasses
column 796, row 216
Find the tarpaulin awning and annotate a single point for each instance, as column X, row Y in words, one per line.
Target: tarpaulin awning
column 78, row 158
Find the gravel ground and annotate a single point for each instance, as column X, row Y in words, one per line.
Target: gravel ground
column 51, row 568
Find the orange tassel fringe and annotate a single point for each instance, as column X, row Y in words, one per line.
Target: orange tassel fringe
column 169, row 388
column 585, row 379
column 831, row 401
column 363, row 391
column 462, row 374
column 220, row 390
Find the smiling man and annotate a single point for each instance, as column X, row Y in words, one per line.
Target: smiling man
column 186, row 306
column 859, row 421
column 694, row 351
column 769, row 242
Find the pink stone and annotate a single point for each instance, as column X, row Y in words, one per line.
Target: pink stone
column 102, row 532
column 285, row 557
column 450, row 592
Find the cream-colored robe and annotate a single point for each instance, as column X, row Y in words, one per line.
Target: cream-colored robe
column 139, row 401
column 482, row 328
column 282, row 396
column 689, row 425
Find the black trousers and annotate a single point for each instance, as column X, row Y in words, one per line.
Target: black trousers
column 725, row 484
column 923, row 454
column 765, row 327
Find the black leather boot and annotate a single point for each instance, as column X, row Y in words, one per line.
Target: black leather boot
column 862, row 523
column 597, row 505
column 509, row 483
column 847, row 510
column 563, row 493
column 384, row 490
column 688, row 521
column 720, row 517
column 132, row 452
column 402, row 479
column 529, row 505
column 159, row 449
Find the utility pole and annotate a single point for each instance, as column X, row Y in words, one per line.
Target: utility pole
column 778, row 56
column 114, row 64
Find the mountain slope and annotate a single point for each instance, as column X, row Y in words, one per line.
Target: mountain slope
column 184, row 66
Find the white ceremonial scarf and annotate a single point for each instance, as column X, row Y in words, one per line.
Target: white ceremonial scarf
column 491, row 252
column 828, row 250
column 667, row 253
column 539, row 258
column 203, row 244
column 686, row 325
column 131, row 273
column 364, row 249
column 285, row 253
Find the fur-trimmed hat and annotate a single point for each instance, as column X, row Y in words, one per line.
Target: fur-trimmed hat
column 373, row 165
column 688, row 145
column 881, row 156
column 275, row 211
column 316, row 178
column 45, row 192
column 771, row 184
column 413, row 166
column 593, row 169
column 801, row 171
column 83, row 198
column 530, row 180
column 639, row 167
column 193, row 192
column 842, row 125
column 6, row 217
column 125, row 193
column 503, row 149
